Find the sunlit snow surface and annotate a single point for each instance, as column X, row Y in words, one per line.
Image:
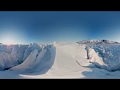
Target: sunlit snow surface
column 86, row 59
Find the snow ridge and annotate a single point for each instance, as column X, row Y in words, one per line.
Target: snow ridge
column 97, row 42
column 102, row 53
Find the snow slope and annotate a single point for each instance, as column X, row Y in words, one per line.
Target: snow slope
column 60, row 60
column 110, row 55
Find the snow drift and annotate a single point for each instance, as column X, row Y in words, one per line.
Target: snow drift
column 61, row 59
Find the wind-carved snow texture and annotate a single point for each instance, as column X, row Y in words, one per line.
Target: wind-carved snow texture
column 103, row 53
column 10, row 55
column 31, row 48
column 19, row 55
column 34, row 60
column 61, row 59
column 93, row 58
column 18, row 52
column 110, row 55
column 28, row 62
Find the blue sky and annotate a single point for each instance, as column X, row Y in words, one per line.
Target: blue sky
column 62, row 26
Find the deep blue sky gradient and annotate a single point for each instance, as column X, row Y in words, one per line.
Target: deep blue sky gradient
column 61, row 26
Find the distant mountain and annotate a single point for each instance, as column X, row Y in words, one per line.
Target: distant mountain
column 97, row 42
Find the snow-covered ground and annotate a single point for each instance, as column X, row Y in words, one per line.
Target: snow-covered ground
column 85, row 59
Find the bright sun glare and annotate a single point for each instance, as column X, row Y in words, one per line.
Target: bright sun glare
column 8, row 41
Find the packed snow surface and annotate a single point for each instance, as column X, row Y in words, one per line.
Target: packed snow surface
column 83, row 59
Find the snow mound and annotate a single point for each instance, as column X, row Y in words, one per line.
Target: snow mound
column 31, row 48
column 93, row 57
column 110, row 55
column 10, row 55
column 18, row 52
column 28, row 63
column 100, row 57
column 34, row 60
